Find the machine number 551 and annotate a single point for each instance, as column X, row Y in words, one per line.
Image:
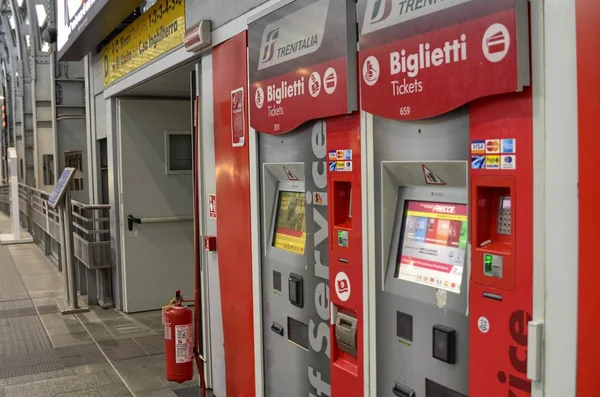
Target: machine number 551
column 405, row 111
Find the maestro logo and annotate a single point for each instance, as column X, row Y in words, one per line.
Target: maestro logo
column 271, row 40
column 381, row 10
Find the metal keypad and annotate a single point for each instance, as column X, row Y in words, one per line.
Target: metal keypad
column 503, row 226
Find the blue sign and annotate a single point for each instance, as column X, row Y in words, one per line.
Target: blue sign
column 60, row 187
column 508, row 146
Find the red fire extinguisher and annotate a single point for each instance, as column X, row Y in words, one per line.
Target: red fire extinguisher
column 179, row 343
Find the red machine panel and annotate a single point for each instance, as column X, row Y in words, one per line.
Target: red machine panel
column 588, row 75
column 235, row 248
column 501, row 207
column 345, row 254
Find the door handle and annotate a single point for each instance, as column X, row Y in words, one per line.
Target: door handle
column 131, row 220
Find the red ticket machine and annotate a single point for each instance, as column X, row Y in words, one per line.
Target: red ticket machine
column 501, row 194
column 345, row 255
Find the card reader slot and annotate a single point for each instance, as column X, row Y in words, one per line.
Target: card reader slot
column 343, row 260
column 345, row 324
column 495, row 297
column 402, row 391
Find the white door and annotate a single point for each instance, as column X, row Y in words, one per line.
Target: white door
column 157, row 258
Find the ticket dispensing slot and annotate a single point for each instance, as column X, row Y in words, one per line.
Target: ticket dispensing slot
column 345, row 332
column 493, row 261
column 403, row 391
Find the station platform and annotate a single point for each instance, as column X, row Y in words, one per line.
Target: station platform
column 101, row 353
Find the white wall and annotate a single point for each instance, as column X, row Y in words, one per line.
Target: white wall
column 561, row 201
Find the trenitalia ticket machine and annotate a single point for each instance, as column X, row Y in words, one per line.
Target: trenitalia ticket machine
column 422, row 256
column 296, row 309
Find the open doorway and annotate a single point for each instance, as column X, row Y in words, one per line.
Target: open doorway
column 155, row 141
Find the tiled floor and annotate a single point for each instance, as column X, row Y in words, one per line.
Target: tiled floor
column 101, row 353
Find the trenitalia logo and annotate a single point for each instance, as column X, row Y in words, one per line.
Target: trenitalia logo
column 269, row 49
column 381, row 14
column 381, row 10
column 298, row 34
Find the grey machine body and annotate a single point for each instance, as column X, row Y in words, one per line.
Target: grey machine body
column 407, row 312
column 296, row 334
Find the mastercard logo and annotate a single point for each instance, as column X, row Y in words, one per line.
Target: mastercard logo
column 492, row 146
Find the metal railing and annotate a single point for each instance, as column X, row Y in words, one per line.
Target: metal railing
column 91, row 237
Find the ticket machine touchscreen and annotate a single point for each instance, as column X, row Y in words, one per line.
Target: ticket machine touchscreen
column 290, row 227
column 433, row 244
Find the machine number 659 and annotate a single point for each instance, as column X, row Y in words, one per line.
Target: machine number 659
column 276, row 127
column 405, row 111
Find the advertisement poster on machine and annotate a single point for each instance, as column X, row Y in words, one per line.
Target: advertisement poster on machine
column 423, row 58
column 302, row 64
column 433, row 245
column 238, row 124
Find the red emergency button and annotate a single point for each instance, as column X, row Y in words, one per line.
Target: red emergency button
column 210, row 243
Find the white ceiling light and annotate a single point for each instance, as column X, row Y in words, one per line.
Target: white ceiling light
column 20, row 3
column 40, row 10
column 13, row 21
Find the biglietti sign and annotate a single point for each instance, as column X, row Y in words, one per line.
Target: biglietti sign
column 423, row 58
column 302, row 64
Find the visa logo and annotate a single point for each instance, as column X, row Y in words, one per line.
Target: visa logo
column 478, row 147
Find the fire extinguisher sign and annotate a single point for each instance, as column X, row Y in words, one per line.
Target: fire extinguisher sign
column 184, row 351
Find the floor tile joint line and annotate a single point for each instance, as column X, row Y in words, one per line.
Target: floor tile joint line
column 105, row 356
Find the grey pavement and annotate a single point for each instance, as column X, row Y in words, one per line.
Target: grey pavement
column 101, row 353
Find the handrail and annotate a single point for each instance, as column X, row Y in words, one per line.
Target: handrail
column 73, row 202
column 132, row 219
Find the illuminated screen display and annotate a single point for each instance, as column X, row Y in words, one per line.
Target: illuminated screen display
column 433, row 244
column 290, row 226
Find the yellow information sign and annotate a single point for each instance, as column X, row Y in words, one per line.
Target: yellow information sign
column 155, row 32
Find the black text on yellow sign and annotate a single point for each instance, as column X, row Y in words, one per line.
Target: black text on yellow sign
column 290, row 243
column 155, row 32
